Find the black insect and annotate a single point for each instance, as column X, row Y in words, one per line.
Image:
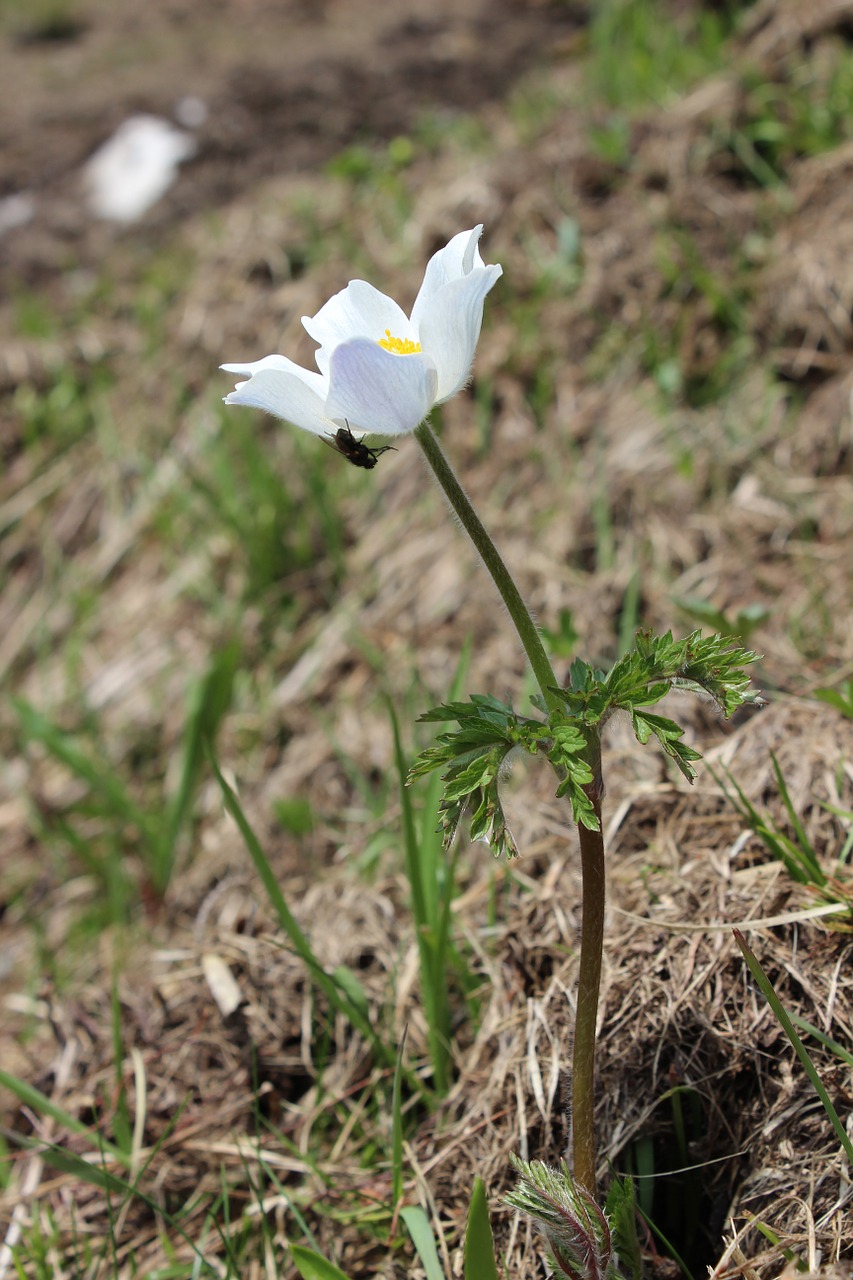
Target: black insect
column 356, row 451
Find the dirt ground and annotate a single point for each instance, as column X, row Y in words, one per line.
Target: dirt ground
column 286, row 83
column 759, row 513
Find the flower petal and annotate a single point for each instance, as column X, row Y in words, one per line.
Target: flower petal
column 376, row 391
column 450, row 326
column 459, row 257
column 278, row 386
column 358, row 311
column 268, row 362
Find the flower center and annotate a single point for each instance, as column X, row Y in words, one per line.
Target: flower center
column 399, row 346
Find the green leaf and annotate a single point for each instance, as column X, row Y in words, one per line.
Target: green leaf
column 414, row 869
column 67, row 1162
column 479, row 1252
column 585, row 694
column 621, row 1212
column 477, row 753
column 575, row 1229
column 562, row 642
column 568, row 754
column 842, row 701
column 351, row 986
column 473, row 757
column 313, row 1266
column 669, row 735
column 843, row 1055
column 712, row 666
column 423, row 1239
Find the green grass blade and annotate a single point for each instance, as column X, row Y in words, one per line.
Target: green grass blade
column 644, row 1160
column 795, row 857
column 96, row 1175
column 209, row 701
column 834, row 1047
column 431, row 843
column 432, row 888
column 414, row 869
column 479, row 1244
column 787, row 1026
column 440, row 956
column 121, row 1123
column 40, row 1102
column 313, row 1266
column 433, row 934
column 111, row 1185
column 431, row 850
column 629, row 616
column 842, row 701
column 97, row 774
column 338, row 998
column 687, row 1274
column 291, row 1204
column 423, row 1239
column 807, row 852
column 800, row 863
column 397, row 1128
column 844, row 855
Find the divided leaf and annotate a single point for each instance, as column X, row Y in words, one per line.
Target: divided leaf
column 568, row 756
column 473, row 756
column 710, row 665
column 669, row 735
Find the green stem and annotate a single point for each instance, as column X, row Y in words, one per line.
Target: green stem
column 589, row 981
column 491, row 558
column 591, row 842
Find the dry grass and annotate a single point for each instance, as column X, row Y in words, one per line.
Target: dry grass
column 741, row 499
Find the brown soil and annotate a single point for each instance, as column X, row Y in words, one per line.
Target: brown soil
column 287, row 85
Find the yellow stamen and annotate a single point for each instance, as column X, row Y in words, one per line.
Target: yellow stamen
column 399, row 346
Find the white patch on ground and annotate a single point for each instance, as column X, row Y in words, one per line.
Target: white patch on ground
column 135, row 167
column 16, row 211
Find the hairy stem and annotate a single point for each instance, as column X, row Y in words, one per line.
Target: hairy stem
column 471, row 523
column 591, row 842
column 589, row 981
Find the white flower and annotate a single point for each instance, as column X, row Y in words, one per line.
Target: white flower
column 379, row 370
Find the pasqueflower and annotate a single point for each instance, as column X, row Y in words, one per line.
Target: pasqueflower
column 380, row 371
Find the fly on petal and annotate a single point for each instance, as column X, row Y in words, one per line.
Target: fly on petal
column 379, row 371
